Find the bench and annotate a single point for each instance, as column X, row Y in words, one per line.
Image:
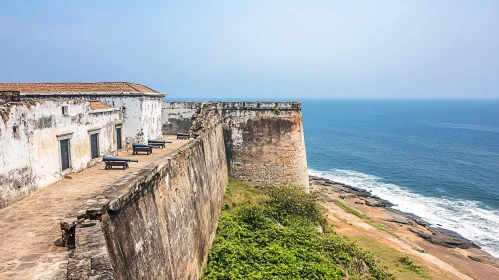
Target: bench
column 183, row 136
column 112, row 161
column 137, row 148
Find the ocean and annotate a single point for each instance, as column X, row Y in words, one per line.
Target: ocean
column 438, row 159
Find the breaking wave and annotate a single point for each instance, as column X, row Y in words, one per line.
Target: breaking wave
column 462, row 216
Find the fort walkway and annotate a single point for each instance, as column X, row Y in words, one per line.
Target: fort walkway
column 29, row 228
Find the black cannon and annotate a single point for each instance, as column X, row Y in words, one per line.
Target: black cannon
column 157, row 143
column 183, row 135
column 112, row 161
column 141, row 148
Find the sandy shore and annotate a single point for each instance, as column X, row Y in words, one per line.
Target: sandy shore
column 389, row 233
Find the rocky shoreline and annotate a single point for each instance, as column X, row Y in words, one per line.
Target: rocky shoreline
column 422, row 228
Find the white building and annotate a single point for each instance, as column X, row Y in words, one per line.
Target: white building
column 141, row 105
column 44, row 140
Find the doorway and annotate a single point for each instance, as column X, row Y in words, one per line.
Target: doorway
column 118, row 137
column 65, row 164
column 94, row 145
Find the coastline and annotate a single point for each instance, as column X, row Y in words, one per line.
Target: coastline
column 447, row 254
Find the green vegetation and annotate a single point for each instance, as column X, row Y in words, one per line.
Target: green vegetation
column 276, row 109
column 280, row 233
column 401, row 266
column 360, row 215
column 350, row 210
column 410, row 264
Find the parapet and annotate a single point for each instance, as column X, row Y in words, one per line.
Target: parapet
column 261, row 105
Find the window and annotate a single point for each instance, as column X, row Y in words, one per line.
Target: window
column 15, row 129
column 65, row 110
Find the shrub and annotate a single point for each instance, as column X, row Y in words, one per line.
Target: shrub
column 250, row 244
column 253, row 216
column 292, row 202
column 410, row 264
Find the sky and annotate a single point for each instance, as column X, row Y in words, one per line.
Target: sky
column 259, row 48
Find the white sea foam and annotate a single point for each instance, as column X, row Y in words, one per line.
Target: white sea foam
column 462, row 216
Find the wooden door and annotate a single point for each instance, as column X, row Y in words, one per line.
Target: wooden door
column 118, row 137
column 65, row 154
column 94, row 145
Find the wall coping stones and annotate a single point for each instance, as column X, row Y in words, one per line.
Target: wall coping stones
column 261, row 105
column 240, row 105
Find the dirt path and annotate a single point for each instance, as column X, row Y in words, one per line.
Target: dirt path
column 30, row 227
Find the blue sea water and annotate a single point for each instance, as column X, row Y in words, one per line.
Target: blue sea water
column 438, row 159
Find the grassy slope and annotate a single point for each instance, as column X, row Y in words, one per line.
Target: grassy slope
column 397, row 263
column 274, row 233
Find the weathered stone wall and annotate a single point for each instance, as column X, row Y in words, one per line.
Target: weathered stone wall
column 9, row 96
column 178, row 116
column 141, row 112
column 158, row 223
column 264, row 142
column 30, row 153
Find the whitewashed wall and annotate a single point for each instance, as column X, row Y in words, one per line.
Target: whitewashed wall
column 30, row 159
column 151, row 117
column 141, row 111
column 178, row 116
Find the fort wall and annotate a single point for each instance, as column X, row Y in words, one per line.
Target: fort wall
column 178, row 116
column 30, row 151
column 264, row 141
column 158, row 223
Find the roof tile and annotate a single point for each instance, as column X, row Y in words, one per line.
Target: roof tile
column 98, row 105
column 76, row 87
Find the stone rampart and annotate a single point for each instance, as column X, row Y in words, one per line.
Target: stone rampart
column 264, row 141
column 158, row 223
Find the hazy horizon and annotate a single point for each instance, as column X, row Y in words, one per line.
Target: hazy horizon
column 259, row 49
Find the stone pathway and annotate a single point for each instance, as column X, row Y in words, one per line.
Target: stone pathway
column 29, row 229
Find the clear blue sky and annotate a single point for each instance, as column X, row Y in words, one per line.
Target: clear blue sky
column 259, row 48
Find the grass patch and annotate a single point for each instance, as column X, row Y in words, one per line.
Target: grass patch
column 350, row 210
column 400, row 265
column 379, row 226
column 363, row 216
column 405, row 260
column 272, row 233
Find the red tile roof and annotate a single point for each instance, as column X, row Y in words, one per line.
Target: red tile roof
column 98, row 105
column 101, row 87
